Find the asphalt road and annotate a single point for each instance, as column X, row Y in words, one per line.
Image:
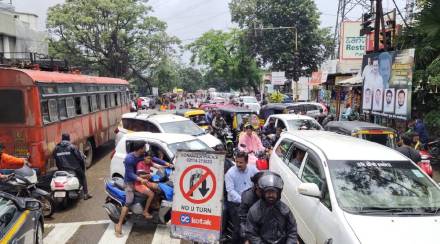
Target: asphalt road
column 86, row 222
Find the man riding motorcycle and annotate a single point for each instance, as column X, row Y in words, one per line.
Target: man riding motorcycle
column 69, row 158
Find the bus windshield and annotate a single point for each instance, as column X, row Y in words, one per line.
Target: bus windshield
column 11, row 106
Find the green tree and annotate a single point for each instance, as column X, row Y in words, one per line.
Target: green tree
column 424, row 36
column 227, row 60
column 116, row 38
column 276, row 47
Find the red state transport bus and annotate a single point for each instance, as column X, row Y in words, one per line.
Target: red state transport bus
column 36, row 107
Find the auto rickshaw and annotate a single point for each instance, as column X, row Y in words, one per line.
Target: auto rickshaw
column 196, row 115
column 274, row 108
column 235, row 117
column 364, row 130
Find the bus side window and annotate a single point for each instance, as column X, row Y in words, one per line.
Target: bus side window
column 70, row 105
column 112, row 100
column 102, row 101
column 84, row 105
column 45, row 111
column 93, row 105
column 53, row 110
column 107, row 100
column 62, row 109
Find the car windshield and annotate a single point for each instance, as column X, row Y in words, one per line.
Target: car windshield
column 383, row 187
column 182, row 127
column 250, row 100
column 384, row 139
column 303, row 124
column 188, row 145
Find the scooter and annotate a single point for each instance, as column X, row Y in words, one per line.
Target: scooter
column 425, row 163
column 65, row 187
column 116, row 198
column 22, row 183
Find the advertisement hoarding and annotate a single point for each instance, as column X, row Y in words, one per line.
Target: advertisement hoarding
column 278, row 78
column 318, row 78
column 197, row 203
column 352, row 44
column 387, row 83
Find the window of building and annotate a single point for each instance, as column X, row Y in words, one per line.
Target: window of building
column 70, row 105
column 62, row 108
column 53, row 110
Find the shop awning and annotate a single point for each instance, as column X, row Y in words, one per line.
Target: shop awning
column 353, row 81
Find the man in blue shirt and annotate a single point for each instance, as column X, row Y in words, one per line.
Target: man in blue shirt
column 130, row 178
column 238, row 180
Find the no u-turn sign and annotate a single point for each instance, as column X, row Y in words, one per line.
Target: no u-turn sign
column 198, row 193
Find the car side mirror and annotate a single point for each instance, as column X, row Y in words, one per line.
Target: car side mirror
column 32, row 205
column 309, row 189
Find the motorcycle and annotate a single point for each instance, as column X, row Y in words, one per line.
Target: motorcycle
column 227, row 138
column 65, row 187
column 116, row 198
column 22, row 183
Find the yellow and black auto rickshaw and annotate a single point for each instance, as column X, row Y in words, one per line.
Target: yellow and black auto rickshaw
column 364, row 130
column 236, row 117
column 196, row 115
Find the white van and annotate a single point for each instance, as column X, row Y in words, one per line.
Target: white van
column 344, row 190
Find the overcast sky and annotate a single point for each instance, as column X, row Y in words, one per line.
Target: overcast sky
column 188, row 19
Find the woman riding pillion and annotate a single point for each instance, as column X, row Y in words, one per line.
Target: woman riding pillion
column 250, row 143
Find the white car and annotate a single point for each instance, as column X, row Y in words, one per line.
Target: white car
column 346, row 190
column 163, row 123
column 167, row 143
column 293, row 122
column 251, row 103
column 311, row 109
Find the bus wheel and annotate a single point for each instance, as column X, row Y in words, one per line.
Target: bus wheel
column 88, row 151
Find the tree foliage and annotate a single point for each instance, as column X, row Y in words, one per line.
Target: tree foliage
column 276, row 47
column 116, row 38
column 424, row 36
column 227, row 60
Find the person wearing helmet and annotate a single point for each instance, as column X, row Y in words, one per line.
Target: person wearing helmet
column 249, row 142
column 248, row 198
column 270, row 220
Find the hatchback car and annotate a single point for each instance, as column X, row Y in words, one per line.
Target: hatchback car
column 163, row 123
column 292, row 122
column 159, row 143
column 346, row 190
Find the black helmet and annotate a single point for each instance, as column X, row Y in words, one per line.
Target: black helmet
column 271, row 181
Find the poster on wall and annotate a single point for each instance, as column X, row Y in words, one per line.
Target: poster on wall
column 387, row 83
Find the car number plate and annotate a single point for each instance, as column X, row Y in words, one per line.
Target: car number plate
column 60, row 194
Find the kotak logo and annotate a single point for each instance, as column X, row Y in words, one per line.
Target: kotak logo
column 186, row 219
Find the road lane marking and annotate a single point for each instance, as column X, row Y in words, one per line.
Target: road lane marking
column 96, row 222
column 61, row 233
column 162, row 236
column 110, row 237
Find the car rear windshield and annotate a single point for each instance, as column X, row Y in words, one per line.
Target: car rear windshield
column 11, row 106
column 182, row 127
column 303, row 124
column 383, row 188
column 384, row 139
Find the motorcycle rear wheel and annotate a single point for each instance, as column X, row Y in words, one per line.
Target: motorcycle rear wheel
column 48, row 205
